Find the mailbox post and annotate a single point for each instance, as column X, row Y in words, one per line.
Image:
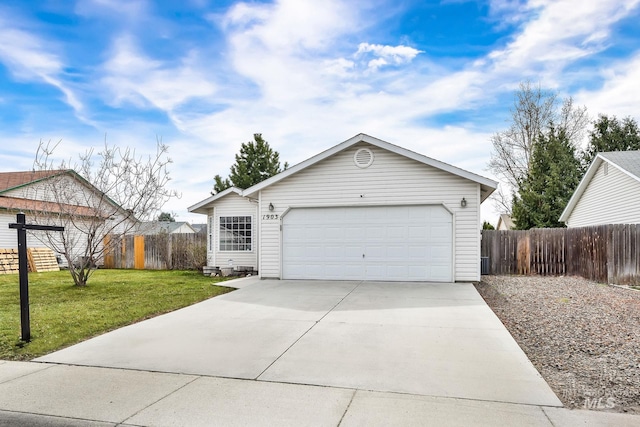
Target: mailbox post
column 22, row 227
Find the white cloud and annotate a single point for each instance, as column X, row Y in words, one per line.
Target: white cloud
column 132, row 77
column 387, row 54
column 30, row 58
column 620, row 92
column 558, row 33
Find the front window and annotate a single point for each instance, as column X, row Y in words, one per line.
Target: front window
column 235, row 233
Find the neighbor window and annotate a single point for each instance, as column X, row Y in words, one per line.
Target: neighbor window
column 235, row 233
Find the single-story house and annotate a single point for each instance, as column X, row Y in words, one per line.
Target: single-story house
column 53, row 197
column 200, row 228
column 168, row 227
column 364, row 209
column 608, row 192
column 505, row 222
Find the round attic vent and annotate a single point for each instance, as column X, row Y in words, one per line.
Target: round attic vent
column 363, row 158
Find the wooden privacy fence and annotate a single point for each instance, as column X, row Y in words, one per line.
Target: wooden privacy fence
column 157, row 252
column 606, row 253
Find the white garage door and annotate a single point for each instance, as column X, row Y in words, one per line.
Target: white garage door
column 395, row 243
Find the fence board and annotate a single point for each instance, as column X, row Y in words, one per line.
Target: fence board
column 605, row 253
column 157, row 252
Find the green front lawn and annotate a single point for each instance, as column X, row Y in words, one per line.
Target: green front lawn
column 62, row 314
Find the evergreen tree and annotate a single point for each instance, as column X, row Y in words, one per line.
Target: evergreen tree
column 611, row 134
column 545, row 190
column 166, row 216
column 256, row 162
column 220, row 184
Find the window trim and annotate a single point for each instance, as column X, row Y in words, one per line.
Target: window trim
column 251, row 222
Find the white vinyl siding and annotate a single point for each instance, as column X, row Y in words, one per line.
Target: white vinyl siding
column 232, row 205
column 41, row 191
column 392, row 179
column 607, row 199
column 9, row 236
column 38, row 239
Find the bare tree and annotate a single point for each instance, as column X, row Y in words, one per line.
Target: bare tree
column 98, row 200
column 534, row 111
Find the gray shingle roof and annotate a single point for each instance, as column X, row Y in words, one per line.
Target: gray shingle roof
column 627, row 160
column 155, row 227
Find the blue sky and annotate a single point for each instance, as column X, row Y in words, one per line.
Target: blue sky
column 436, row 77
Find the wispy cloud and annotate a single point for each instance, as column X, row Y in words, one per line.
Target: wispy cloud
column 620, row 92
column 132, row 77
column 31, row 58
column 556, row 33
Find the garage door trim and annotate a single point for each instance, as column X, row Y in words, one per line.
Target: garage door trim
column 370, row 205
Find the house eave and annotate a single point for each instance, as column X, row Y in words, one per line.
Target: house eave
column 488, row 186
column 203, row 206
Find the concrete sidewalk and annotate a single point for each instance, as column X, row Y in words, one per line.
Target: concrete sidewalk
column 42, row 394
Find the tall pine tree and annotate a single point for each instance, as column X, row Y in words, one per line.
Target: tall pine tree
column 545, row 190
column 256, row 162
column 611, row 134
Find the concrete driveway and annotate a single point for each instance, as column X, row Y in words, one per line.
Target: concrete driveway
column 438, row 340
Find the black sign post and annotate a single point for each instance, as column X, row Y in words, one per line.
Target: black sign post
column 22, row 227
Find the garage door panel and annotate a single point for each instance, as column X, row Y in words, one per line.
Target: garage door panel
column 354, row 232
column 398, row 253
column 439, row 234
column 353, row 252
column 399, row 243
column 333, row 252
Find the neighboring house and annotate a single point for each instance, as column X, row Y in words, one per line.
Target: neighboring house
column 362, row 210
column 609, row 192
column 169, row 227
column 505, row 222
column 200, row 228
column 30, row 192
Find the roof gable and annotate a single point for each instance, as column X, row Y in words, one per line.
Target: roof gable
column 628, row 162
column 201, row 207
column 487, row 185
column 14, row 180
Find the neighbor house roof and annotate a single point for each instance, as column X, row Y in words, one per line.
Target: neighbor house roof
column 487, row 186
column 199, row 228
column 156, row 227
column 628, row 162
column 506, row 220
column 13, row 180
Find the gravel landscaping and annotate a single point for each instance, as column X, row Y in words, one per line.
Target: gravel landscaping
column 583, row 337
